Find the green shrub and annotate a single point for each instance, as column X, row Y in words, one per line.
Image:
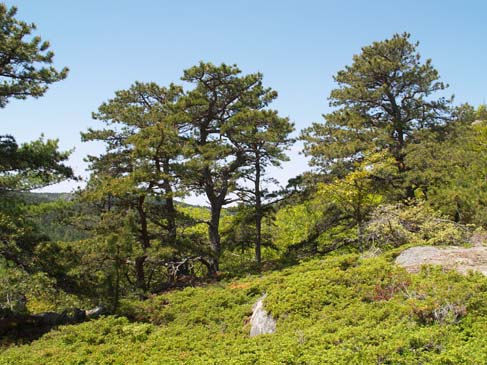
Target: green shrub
column 396, row 225
column 344, row 309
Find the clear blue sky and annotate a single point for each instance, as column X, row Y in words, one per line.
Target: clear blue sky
column 297, row 45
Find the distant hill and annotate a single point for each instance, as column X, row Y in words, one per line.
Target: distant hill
column 35, row 197
column 52, row 224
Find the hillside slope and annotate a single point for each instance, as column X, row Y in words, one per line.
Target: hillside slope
column 342, row 309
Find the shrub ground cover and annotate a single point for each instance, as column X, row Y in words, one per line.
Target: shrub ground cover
column 342, row 309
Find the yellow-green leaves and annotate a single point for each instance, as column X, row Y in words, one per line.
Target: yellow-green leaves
column 356, row 193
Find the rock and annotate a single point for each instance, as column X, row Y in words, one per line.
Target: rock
column 261, row 322
column 77, row 315
column 52, row 318
column 95, row 312
column 479, row 239
column 457, row 258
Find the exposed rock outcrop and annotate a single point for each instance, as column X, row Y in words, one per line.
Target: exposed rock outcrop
column 261, row 321
column 96, row 312
column 458, row 258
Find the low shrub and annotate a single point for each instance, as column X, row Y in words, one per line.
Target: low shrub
column 344, row 309
column 396, row 225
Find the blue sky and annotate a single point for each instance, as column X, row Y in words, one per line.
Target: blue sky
column 297, row 45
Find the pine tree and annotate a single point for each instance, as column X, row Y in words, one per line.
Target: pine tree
column 264, row 136
column 140, row 165
column 214, row 161
column 24, row 63
column 383, row 99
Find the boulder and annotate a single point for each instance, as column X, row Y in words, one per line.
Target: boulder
column 456, row 258
column 261, row 322
column 95, row 312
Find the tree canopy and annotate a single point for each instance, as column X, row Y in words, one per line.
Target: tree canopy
column 383, row 99
column 24, row 71
column 25, row 60
column 219, row 95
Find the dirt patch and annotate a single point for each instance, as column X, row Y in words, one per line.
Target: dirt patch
column 239, row 286
column 457, row 258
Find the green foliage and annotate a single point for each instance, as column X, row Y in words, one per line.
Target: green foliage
column 24, row 67
column 20, row 233
column 32, row 165
column 218, row 157
column 265, row 137
column 136, row 179
column 336, row 212
column 23, row 292
column 418, row 224
column 54, row 215
column 339, row 310
column 25, row 71
column 100, row 267
column 355, row 195
column 388, row 139
column 450, row 167
column 383, row 99
column 14, row 286
column 163, row 142
column 239, row 240
column 295, row 223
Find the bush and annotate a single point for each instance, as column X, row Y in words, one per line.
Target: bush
column 344, row 309
column 396, row 225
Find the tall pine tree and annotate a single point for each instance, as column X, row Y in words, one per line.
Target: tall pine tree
column 214, row 166
column 383, row 99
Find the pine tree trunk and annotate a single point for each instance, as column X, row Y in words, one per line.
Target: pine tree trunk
column 170, row 208
column 140, row 273
column 214, row 234
column 145, row 243
column 258, row 213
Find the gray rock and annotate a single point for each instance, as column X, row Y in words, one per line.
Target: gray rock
column 479, row 239
column 456, row 258
column 96, row 312
column 261, row 322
